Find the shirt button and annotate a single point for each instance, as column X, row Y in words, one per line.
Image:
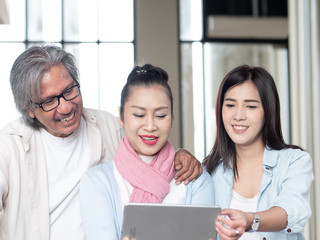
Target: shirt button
column 267, row 168
column 289, row 230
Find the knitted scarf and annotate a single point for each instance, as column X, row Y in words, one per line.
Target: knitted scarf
column 150, row 181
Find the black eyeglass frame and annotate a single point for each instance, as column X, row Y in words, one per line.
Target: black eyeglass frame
column 58, row 97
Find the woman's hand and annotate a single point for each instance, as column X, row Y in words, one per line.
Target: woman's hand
column 187, row 166
column 232, row 223
column 128, row 238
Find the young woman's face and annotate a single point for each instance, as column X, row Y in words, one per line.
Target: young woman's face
column 147, row 119
column 243, row 114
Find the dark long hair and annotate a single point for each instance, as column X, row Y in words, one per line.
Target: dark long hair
column 224, row 148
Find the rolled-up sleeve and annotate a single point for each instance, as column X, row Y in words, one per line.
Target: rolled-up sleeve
column 294, row 195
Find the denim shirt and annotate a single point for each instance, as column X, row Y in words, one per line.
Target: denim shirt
column 286, row 182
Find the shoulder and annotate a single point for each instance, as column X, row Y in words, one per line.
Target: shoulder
column 294, row 153
column 202, row 182
column 17, row 127
column 285, row 156
column 201, row 191
column 105, row 121
column 289, row 162
column 220, row 171
column 100, row 175
column 204, row 178
column 17, row 133
column 94, row 115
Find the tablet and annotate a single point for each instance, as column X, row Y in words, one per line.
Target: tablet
column 169, row 222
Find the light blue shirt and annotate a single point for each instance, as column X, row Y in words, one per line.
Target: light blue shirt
column 286, row 182
column 102, row 207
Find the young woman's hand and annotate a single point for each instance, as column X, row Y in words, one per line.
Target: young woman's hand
column 232, row 223
column 187, row 166
column 128, row 238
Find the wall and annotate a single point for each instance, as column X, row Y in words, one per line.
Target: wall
column 157, row 43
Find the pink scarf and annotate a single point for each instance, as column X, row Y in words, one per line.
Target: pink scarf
column 150, row 182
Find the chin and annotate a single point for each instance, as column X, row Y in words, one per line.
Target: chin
column 67, row 131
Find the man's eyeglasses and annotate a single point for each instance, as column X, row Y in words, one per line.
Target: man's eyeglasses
column 53, row 102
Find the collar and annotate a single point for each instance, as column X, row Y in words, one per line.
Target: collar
column 270, row 157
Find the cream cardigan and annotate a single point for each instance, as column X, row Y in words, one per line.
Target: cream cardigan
column 24, row 213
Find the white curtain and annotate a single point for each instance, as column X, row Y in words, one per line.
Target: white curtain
column 304, row 45
column 4, row 15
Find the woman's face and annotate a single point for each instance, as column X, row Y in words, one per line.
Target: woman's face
column 243, row 114
column 147, row 118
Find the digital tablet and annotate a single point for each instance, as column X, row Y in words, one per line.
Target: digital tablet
column 169, row 222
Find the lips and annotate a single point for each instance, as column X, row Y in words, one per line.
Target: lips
column 239, row 127
column 150, row 140
column 67, row 119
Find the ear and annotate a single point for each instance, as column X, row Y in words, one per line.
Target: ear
column 31, row 114
column 120, row 119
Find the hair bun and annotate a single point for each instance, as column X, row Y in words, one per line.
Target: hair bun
column 146, row 73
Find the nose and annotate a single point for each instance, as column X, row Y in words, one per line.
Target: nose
column 239, row 114
column 150, row 124
column 65, row 106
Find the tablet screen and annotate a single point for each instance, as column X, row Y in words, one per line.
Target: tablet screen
column 169, row 222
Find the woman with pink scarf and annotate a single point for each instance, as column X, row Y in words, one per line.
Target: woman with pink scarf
column 143, row 167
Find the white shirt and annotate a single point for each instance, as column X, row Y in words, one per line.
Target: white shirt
column 246, row 205
column 66, row 160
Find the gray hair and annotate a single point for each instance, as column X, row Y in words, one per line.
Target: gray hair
column 27, row 72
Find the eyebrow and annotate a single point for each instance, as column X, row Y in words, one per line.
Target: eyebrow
column 246, row 100
column 157, row 109
column 53, row 96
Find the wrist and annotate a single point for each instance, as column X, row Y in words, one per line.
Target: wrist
column 250, row 218
column 255, row 222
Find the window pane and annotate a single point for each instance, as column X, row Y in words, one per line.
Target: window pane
column 15, row 31
column 86, row 55
column 220, row 58
column 9, row 53
column 44, row 20
column 80, row 20
column 190, row 20
column 74, row 24
column 192, row 98
column 116, row 20
column 116, row 62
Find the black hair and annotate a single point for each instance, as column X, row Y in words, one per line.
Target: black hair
column 224, row 148
column 145, row 75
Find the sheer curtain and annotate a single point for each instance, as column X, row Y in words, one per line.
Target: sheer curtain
column 4, row 15
column 304, row 45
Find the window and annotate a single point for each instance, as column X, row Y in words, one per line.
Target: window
column 206, row 60
column 99, row 33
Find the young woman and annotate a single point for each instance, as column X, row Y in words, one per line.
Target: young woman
column 143, row 168
column 263, row 182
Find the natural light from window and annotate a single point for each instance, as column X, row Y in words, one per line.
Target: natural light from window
column 99, row 33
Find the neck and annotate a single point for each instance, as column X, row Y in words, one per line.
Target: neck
column 252, row 153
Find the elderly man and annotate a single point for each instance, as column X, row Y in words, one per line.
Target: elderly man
column 44, row 153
